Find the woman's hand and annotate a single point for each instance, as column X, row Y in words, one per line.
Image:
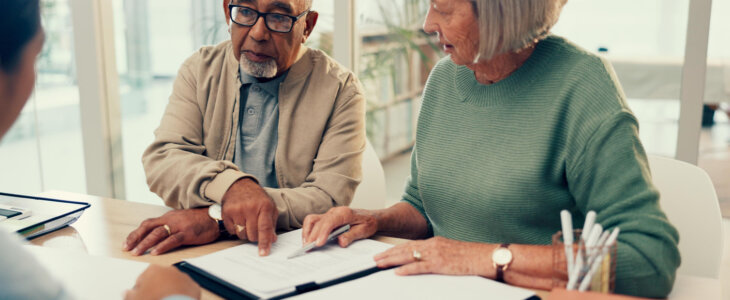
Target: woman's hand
column 439, row 255
column 363, row 224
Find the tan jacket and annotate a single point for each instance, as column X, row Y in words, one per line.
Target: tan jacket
column 320, row 144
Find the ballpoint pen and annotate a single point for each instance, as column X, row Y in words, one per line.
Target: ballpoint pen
column 312, row 245
column 593, row 267
column 567, row 224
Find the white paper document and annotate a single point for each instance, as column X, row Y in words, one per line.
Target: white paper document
column 388, row 285
column 89, row 277
column 275, row 275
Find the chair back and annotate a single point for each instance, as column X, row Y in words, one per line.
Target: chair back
column 370, row 194
column 689, row 199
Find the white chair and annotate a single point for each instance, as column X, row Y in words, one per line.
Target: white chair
column 370, row 194
column 689, row 199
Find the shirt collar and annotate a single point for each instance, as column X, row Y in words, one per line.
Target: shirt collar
column 271, row 86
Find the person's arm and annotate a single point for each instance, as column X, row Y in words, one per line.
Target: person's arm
column 611, row 177
column 531, row 264
column 163, row 282
column 404, row 220
column 336, row 170
column 175, row 164
column 22, row 277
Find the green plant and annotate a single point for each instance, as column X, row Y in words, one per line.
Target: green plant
column 401, row 40
column 403, row 21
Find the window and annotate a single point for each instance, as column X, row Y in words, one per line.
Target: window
column 645, row 42
column 44, row 150
column 394, row 62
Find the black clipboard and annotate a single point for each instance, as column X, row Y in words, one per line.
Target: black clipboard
column 48, row 215
column 229, row 291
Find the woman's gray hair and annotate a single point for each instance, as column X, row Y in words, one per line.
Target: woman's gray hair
column 512, row 25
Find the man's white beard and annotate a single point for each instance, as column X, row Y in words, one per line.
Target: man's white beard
column 267, row 69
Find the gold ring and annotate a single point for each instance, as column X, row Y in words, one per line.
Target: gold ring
column 240, row 228
column 417, row 255
column 169, row 232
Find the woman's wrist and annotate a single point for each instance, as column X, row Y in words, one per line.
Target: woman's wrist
column 483, row 260
column 385, row 222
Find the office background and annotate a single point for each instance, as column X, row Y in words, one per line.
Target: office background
column 107, row 69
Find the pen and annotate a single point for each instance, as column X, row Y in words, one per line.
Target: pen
column 594, row 266
column 573, row 276
column 567, row 223
column 312, row 245
column 601, row 242
column 592, row 240
column 588, row 225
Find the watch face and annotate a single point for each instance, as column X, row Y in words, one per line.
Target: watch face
column 214, row 211
column 502, row 256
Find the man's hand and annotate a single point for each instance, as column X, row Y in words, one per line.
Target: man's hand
column 249, row 213
column 187, row 227
column 158, row 282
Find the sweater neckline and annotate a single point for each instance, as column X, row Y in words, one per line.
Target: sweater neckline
column 472, row 91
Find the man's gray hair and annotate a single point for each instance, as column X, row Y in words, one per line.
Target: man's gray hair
column 512, row 25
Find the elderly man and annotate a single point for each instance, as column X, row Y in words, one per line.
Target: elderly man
column 261, row 125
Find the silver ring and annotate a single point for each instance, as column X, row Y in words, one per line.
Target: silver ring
column 240, row 228
column 169, row 232
column 417, row 255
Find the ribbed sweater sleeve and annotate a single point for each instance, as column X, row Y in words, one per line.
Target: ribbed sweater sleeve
column 611, row 176
column 411, row 195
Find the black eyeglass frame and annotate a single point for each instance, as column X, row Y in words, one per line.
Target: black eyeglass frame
column 260, row 14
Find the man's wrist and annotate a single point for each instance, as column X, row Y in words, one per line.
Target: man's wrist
column 222, row 231
column 242, row 185
column 214, row 212
column 247, row 182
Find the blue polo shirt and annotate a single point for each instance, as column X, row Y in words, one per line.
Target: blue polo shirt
column 258, row 128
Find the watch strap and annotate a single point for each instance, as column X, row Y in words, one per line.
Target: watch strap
column 222, row 230
column 500, row 268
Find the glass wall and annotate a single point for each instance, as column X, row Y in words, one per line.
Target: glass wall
column 645, row 44
column 153, row 38
column 43, row 150
column 394, row 61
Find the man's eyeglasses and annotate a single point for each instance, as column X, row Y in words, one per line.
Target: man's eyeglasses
column 246, row 16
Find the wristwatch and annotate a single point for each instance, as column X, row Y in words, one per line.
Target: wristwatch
column 501, row 259
column 214, row 211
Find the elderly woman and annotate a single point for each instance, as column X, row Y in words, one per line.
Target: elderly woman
column 517, row 125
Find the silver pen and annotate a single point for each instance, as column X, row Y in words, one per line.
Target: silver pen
column 312, row 245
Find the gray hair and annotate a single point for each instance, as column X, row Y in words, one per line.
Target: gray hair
column 512, row 25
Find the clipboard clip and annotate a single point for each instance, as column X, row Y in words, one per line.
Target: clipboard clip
column 307, row 287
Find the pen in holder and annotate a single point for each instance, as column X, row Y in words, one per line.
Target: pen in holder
column 594, row 268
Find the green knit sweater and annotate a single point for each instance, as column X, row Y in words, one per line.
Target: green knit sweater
column 497, row 163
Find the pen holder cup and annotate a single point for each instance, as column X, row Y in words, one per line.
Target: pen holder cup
column 603, row 279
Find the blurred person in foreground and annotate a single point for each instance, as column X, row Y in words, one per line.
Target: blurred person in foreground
column 22, row 277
